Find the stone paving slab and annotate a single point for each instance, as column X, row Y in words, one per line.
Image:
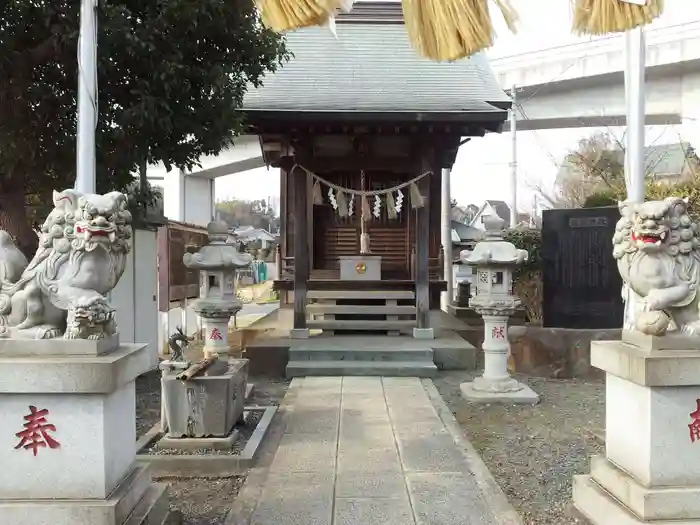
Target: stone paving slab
column 447, row 499
column 372, row 451
column 354, row 483
column 373, row 511
column 296, row 498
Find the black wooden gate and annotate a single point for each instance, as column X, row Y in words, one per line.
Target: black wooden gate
column 581, row 284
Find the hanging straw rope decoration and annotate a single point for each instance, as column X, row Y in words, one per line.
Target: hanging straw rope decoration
column 285, row 15
column 447, row 30
column 391, row 207
column 366, row 214
column 600, row 17
column 417, row 200
column 317, row 196
column 342, row 200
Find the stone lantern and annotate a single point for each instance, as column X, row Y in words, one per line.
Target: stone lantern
column 494, row 260
column 217, row 263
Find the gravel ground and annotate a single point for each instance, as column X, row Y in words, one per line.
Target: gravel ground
column 147, row 402
column 202, row 501
column 534, row 452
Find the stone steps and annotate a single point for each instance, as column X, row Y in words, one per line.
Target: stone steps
column 423, row 355
column 357, row 355
column 361, row 368
column 327, row 315
column 360, row 309
column 361, row 294
column 360, row 324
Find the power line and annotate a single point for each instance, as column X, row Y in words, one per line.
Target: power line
column 552, row 80
column 555, row 77
column 538, row 139
column 520, row 105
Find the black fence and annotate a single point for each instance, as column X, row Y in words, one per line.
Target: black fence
column 581, row 284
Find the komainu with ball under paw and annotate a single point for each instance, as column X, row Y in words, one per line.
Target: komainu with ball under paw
column 90, row 318
column 82, row 255
column 657, row 250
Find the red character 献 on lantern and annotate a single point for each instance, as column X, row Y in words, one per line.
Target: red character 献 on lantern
column 498, row 333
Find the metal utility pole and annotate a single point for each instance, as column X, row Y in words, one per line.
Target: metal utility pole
column 513, row 160
column 87, row 98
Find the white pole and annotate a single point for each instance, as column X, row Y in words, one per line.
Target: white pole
column 446, row 297
column 635, row 51
column 635, row 54
column 212, row 188
column 87, row 97
column 513, row 161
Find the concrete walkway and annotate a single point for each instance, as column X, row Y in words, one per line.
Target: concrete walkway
column 372, row 451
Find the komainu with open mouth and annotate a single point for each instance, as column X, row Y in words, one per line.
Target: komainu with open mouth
column 82, row 255
column 656, row 246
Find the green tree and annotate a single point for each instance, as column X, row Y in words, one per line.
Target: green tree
column 171, row 78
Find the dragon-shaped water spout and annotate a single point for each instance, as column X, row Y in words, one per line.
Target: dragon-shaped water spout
column 178, row 342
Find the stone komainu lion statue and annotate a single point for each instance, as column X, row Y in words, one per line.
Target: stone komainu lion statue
column 82, row 254
column 657, row 250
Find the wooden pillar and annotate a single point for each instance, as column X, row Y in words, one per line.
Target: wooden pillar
column 422, row 255
column 298, row 178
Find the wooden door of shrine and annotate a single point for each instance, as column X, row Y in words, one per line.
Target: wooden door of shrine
column 336, row 236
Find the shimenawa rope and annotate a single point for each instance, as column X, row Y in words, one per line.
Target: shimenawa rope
column 361, row 193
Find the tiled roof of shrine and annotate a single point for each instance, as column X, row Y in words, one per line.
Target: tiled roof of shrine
column 371, row 67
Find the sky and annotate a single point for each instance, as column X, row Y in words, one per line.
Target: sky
column 482, row 170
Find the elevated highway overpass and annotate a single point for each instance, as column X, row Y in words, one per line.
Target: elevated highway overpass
column 582, row 84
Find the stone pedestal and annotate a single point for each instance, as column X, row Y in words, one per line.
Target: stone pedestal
column 215, row 321
column 207, row 406
column 651, row 468
column 68, row 445
column 496, row 385
column 361, row 268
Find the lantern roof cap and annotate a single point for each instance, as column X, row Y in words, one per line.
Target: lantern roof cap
column 218, row 255
column 493, row 250
column 217, row 232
